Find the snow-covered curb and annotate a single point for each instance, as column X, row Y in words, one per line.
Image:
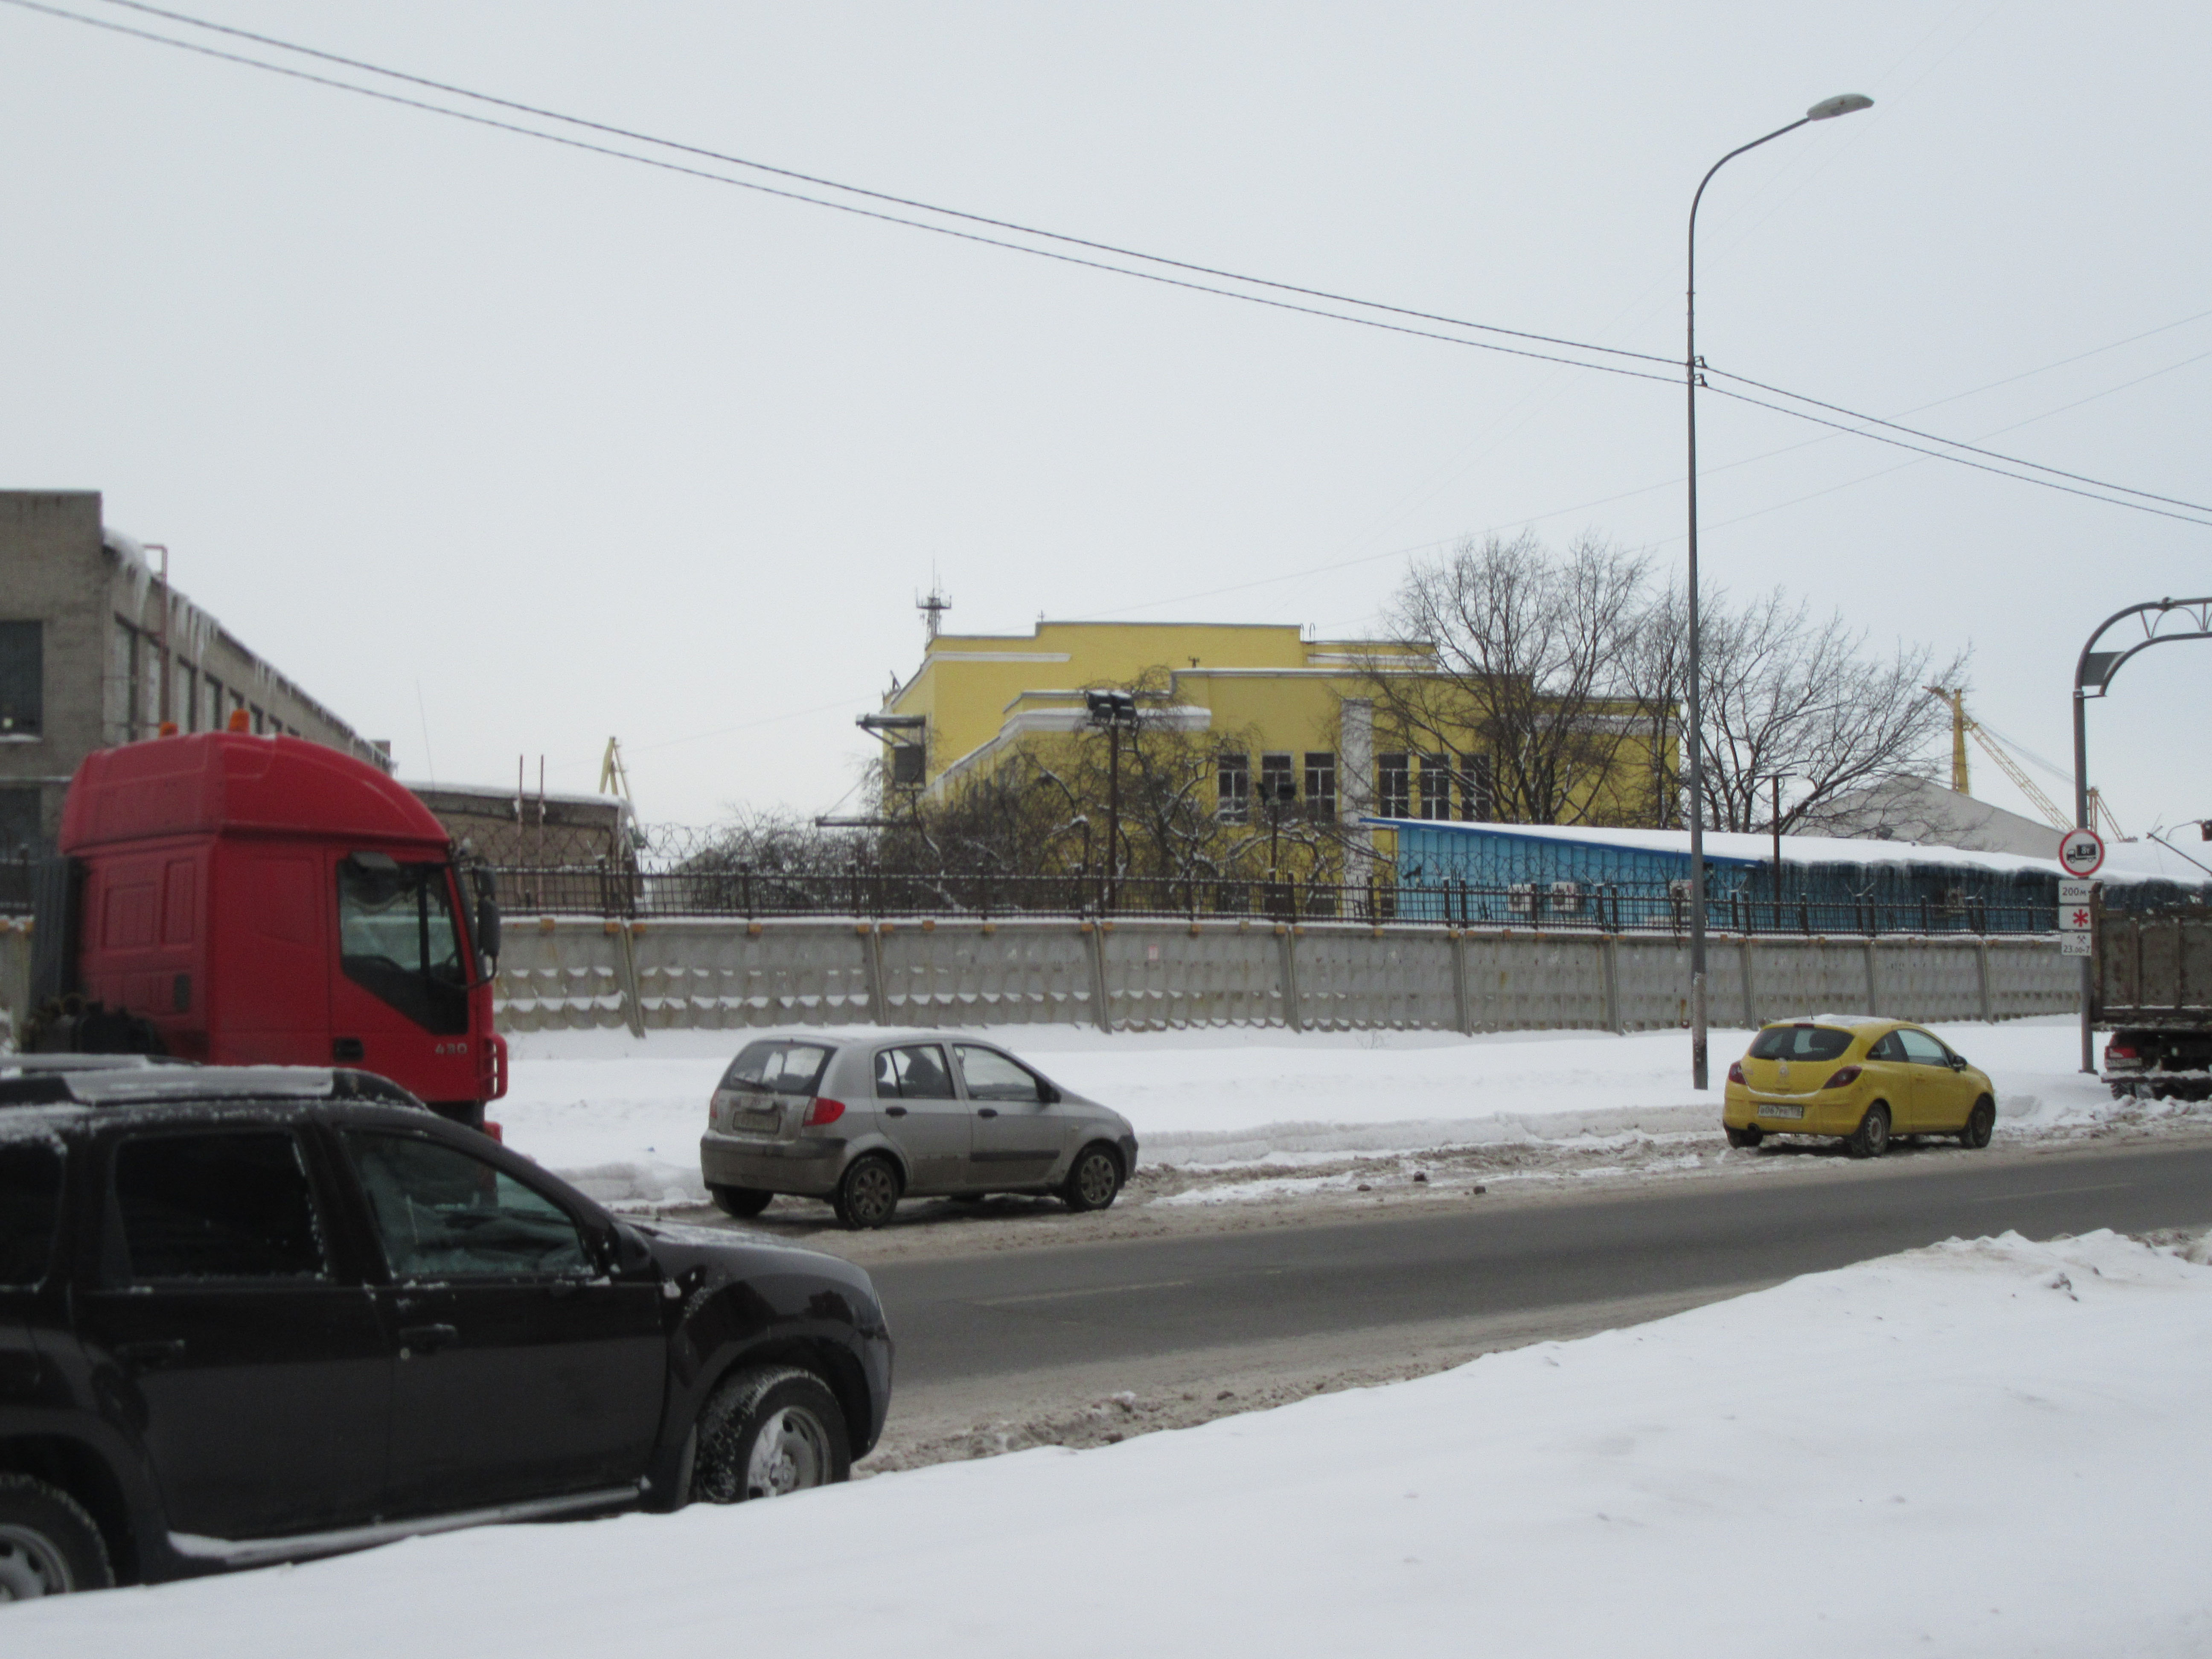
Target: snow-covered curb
column 1988, row 1447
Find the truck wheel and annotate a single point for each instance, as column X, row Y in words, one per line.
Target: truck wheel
column 1749, row 1136
column 1980, row 1122
column 743, row 1202
column 767, row 1431
column 869, row 1192
column 1871, row 1138
column 48, row 1545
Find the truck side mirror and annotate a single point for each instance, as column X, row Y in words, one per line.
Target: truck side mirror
column 487, row 929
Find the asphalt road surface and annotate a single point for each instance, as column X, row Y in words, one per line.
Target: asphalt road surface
column 1493, row 1272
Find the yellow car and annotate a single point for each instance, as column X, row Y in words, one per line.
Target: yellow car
column 1861, row 1080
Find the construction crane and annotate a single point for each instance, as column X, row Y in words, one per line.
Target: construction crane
column 1964, row 726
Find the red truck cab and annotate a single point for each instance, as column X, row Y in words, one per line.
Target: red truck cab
column 243, row 900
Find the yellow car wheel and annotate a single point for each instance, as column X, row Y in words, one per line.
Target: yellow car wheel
column 1980, row 1122
column 1750, row 1135
column 1871, row 1138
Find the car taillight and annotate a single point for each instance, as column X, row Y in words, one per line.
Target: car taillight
column 1736, row 1074
column 824, row 1110
column 2119, row 1051
column 1843, row 1077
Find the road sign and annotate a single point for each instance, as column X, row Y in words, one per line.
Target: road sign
column 2077, row 892
column 2072, row 945
column 2073, row 918
column 2082, row 852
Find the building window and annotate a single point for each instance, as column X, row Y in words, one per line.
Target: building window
column 22, row 678
column 1277, row 784
column 19, row 833
column 1393, row 781
column 1232, row 801
column 1321, row 782
column 1436, row 787
column 1478, row 802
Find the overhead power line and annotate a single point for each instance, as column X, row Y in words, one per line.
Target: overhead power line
column 2115, row 496
column 1955, row 443
column 702, row 153
column 818, row 182
column 1961, row 460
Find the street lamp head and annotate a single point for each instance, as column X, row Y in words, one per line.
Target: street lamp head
column 1849, row 103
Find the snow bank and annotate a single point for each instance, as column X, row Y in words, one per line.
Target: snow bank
column 1989, row 1447
column 621, row 1116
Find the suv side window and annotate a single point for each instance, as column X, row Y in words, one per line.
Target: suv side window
column 444, row 1213
column 30, row 1209
column 917, row 1072
column 218, row 1204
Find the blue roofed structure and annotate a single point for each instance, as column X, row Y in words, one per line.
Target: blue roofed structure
column 1525, row 874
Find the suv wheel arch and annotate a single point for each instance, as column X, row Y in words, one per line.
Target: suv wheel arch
column 81, row 1474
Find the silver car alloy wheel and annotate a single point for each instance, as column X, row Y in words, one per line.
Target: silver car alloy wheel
column 30, row 1565
column 790, row 1454
column 1095, row 1179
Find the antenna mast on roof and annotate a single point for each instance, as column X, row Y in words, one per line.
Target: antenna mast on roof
column 614, row 776
column 934, row 607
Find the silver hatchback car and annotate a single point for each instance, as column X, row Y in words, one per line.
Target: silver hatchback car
column 863, row 1121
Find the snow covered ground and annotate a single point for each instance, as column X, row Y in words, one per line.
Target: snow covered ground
column 1988, row 1448
column 621, row 1115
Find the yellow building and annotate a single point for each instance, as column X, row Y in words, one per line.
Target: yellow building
column 1294, row 719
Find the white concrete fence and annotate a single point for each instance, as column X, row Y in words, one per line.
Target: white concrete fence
column 566, row 974
column 576, row 975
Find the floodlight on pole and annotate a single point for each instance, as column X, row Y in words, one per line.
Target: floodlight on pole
column 1827, row 110
column 1115, row 712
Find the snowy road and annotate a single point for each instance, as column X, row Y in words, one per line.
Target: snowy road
column 1005, row 1346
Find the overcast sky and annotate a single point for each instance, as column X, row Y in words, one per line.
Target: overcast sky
column 499, row 448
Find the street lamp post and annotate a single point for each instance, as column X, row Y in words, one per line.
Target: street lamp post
column 1115, row 711
column 2092, row 678
column 1827, row 109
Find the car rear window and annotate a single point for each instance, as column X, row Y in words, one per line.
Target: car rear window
column 1800, row 1042
column 30, row 1206
column 775, row 1067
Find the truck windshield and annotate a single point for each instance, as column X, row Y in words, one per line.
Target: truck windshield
column 398, row 939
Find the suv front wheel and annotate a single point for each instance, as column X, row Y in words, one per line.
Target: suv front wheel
column 48, row 1545
column 769, row 1430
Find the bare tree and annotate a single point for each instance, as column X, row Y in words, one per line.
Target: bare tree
column 1786, row 695
column 1525, row 670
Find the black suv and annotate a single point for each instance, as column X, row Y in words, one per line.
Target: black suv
column 261, row 1314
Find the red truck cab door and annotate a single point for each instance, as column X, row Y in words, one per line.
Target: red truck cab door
column 401, row 981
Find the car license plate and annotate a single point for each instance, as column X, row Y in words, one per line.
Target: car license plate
column 1766, row 1110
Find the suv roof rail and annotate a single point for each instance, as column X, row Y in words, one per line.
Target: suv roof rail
column 131, row 1080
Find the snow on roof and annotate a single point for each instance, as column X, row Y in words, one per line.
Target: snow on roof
column 2128, row 861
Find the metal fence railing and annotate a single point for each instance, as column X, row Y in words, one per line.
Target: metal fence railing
column 882, row 894
column 632, row 895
